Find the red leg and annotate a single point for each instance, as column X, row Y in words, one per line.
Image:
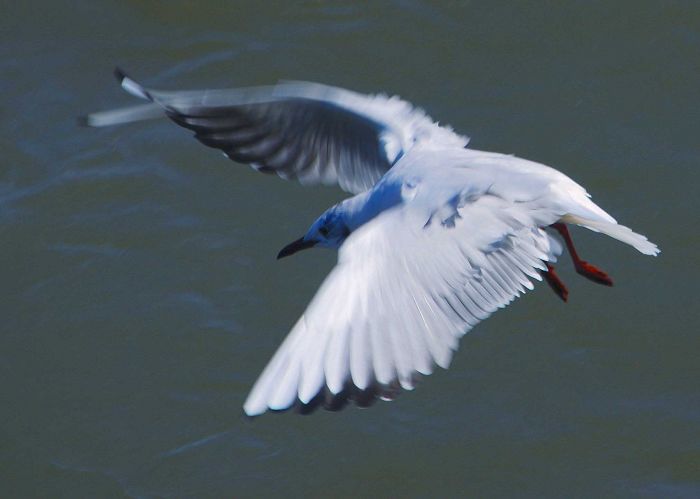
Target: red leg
column 555, row 283
column 584, row 268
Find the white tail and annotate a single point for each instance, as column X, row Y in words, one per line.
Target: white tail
column 616, row 231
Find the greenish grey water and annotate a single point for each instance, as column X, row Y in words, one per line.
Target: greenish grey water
column 140, row 297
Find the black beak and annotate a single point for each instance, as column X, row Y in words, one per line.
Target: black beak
column 295, row 246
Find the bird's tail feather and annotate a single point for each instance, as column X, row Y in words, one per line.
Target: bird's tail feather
column 616, row 231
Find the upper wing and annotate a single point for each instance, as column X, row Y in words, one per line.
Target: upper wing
column 407, row 286
column 305, row 131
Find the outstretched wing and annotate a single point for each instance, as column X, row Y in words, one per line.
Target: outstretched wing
column 407, row 286
column 305, row 131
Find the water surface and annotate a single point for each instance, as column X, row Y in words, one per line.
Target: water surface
column 141, row 297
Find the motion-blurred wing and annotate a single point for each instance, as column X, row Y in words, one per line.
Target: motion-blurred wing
column 407, row 286
column 305, row 131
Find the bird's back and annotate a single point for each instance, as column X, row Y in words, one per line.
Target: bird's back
column 441, row 181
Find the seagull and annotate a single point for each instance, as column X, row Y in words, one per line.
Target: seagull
column 435, row 238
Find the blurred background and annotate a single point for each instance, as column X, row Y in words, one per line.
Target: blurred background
column 140, row 296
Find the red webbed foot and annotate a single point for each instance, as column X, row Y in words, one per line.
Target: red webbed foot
column 584, row 268
column 555, row 283
column 593, row 273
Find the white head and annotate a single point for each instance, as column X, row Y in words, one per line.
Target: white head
column 328, row 231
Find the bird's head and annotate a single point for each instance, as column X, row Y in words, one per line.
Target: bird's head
column 328, row 231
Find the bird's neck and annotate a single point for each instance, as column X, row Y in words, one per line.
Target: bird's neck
column 362, row 208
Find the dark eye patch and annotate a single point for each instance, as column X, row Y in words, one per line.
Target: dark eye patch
column 323, row 231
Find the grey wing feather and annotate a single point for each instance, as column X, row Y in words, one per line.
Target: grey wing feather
column 311, row 141
column 304, row 131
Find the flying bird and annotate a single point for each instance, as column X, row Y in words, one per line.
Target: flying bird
column 436, row 237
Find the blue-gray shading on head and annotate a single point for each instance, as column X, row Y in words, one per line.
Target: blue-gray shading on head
column 328, row 231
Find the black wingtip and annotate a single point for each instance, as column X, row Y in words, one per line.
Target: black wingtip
column 119, row 74
column 82, row 121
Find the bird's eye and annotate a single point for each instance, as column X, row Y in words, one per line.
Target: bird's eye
column 323, row 231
